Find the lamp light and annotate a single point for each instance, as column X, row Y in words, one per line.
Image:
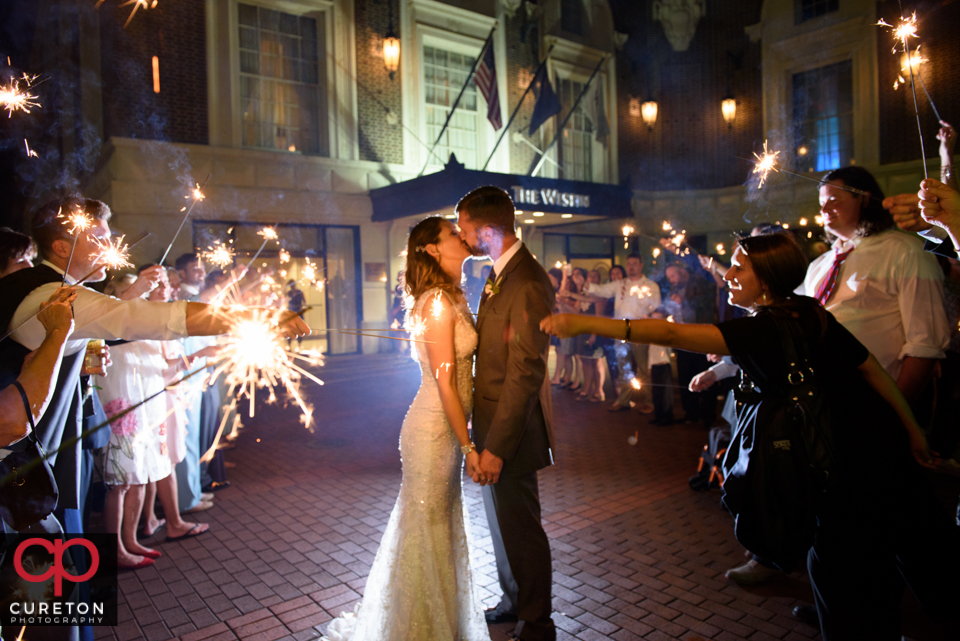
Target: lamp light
column 391, row 47
column 648, row 111
column 729, row 109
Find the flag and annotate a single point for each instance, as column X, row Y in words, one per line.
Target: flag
column 594, row 106
column 547, row 104
column 486, row 80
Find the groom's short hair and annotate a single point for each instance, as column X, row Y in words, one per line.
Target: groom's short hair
column 490, row 206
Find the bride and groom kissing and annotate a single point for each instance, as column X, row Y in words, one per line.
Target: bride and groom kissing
column 421, row 583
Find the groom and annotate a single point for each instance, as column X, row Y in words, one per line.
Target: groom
column 512, row 415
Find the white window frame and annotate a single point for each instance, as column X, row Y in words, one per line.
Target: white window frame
column 573, row 61
column 339, row 90
column 454, row 29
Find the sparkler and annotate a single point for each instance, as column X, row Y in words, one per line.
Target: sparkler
column 902, row 32
column 627, row 230
column 30, row 152
column 81, row 222
column 112, row 255
column 284, row 256
column 137, row 4
column 14, row 98
column 197, row 194
column 769, row 162
column 219, row 254
column 268, row 233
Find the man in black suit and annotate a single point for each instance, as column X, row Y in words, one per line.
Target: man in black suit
column 512, row 416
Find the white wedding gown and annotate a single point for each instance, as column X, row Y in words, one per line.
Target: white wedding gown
column 421, row 585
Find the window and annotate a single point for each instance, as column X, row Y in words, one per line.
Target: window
column 280, row 80
column 808, row 9
column 576, row 143
column 444, row 73
column 571, row 16
column 823, row 116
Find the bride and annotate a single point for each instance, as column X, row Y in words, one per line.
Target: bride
column 420, row 585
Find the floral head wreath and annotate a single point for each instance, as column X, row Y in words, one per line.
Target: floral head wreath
column 421, row 248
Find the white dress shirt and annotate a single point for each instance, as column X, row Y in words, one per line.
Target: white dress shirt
column 658, row 355
column 633, row 298
column 98, row 316
column 889, row 295
column 500, row 264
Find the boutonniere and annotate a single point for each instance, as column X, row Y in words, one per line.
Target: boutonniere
column 491, row 287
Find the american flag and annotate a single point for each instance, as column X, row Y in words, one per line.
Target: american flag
column 486, row 79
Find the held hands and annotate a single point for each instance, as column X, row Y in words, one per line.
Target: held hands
column 490, row 466
column 57, row 312
column 472, row 461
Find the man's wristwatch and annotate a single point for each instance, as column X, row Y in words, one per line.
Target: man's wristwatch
column 466, row 449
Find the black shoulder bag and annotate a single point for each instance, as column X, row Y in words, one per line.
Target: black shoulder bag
column 780, row 458
column 28, row 491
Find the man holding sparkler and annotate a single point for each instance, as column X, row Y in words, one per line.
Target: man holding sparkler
column 97, row 317
column 513, row 413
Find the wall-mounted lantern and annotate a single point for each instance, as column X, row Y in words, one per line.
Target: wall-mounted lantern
column 729, row 109
column 649, row 112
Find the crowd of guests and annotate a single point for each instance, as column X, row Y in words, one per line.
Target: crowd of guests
column 92, row 377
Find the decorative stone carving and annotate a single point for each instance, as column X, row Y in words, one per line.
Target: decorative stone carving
column 510, row 7
column 679, row 19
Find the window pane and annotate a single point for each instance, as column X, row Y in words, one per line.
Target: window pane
column 444, row 73
column 576, row 143
column 823, row 117
column 279, row 80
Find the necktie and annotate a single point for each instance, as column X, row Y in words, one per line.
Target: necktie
column 828, row 284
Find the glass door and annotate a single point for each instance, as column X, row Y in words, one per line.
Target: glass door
column 342, row 246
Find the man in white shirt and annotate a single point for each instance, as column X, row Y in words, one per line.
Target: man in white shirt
column 635, row 296
column 96, row 316
column 879, row 283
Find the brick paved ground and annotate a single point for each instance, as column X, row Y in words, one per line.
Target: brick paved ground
column 636, row 553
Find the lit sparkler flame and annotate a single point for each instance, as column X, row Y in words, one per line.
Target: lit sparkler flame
column 438, row 305
column 627, row 230
column 79, row 220
column 667, row 226
column 30, row 152
column 14, row 98
column 112, row 253
column 218, row 254
column 765, row 163
column 558, row 265
column 196, row 193
column 284, row 256
column 268, row 233
column 254, row 355
column 656, row 252
column 907, row 28
column 803, row 222
column 720, row 249
column 635, row 383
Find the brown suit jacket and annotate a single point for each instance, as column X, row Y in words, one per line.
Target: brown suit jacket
column 513, row 411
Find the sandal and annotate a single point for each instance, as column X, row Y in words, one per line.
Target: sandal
column 146, row 535
column 190, row 533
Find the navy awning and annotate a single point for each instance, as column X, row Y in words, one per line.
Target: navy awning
column 443, row 189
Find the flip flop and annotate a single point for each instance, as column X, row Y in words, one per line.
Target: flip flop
column 190, row 533
column 147, row 535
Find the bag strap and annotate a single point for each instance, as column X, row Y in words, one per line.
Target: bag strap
column 795, row 350
column 26, row 406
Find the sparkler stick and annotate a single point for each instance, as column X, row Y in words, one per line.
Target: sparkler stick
column 197, row 196
column 908, row 29
column 929, row 99
column 392, row 338
column 852, row 190
column 268, row 233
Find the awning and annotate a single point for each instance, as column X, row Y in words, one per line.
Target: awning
column 441, row 190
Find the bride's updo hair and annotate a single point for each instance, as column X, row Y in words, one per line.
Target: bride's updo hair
column 423, row 271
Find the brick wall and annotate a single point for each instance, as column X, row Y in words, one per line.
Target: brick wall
column 176, row 33
column 379, row 140
column 523, row 55
column 937, row 27
column 690, row 147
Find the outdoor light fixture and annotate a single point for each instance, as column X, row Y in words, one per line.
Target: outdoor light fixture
column 391, row 52
column 391, row 46
column 729, row 109
column 649, row 112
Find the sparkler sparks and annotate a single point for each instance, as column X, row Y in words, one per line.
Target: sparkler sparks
column 197, row 197
column 13, row 97
column 765, row 164
column 137, row 4
column 284, row 256
column 627, row 231
column 112, row 253
column 906, row 29
column 218, row 254
column 438, row 305
column 635, row 383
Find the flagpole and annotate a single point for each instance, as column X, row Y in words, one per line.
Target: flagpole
column 517, row 109
column 487, row 43
column 567, row 118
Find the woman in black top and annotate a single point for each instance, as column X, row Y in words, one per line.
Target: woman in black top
column 880, row 523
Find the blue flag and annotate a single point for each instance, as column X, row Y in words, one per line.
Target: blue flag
column 547, row 104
